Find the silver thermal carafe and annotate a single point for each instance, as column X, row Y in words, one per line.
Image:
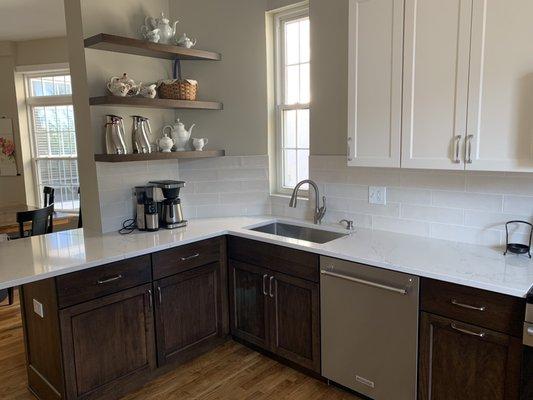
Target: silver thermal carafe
column 147, row 218
column 141, row 134
column 171, row 213
column 115, row 135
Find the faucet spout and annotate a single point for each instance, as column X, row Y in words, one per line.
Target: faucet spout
column 319, row 211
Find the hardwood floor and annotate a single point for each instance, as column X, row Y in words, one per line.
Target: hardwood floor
column 231, row 371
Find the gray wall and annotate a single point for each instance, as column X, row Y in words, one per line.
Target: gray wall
column 235, row 28
column 329, row 76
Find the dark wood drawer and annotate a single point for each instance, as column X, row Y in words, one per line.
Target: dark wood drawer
column 97, row 282
column 183, row 258
column 300, row 264
column 479, row 307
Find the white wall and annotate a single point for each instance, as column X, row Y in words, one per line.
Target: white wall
column 19, row 189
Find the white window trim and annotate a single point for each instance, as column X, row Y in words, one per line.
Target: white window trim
column 36, row 101
column 292, row 14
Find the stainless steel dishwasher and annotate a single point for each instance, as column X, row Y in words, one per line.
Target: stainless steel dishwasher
column 369, row 329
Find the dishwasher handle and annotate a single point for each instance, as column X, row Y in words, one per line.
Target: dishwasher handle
column 401, row 291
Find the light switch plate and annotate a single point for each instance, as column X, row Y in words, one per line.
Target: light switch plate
column 38, row 308
column 377, row 195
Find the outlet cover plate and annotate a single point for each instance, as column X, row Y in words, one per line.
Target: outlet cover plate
column 38, row 308
column 377, row 195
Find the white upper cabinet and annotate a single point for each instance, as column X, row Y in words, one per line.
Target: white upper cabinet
column 500, row 108
column 435, row 90
column 459, row 97
column 375, row 82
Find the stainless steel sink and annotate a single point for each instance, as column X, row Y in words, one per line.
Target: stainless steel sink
column 299, row 232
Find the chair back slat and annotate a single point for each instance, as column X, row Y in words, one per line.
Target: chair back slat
column 42, row 221
column 48, row 195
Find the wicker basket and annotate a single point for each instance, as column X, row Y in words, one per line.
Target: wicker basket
column 178, row 89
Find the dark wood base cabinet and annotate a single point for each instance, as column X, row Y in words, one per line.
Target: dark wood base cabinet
column 470, row 344
column 277, row 312
column 102, row 332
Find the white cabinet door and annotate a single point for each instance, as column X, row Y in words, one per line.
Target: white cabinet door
column 436, row 63
column 375, row 82
column 500, row 117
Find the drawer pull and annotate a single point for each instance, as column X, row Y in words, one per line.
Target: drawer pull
column 462, row 330
column 265, row 276
column 469, row 307
column 190, row 257
column 270, row 288
column 109, row 280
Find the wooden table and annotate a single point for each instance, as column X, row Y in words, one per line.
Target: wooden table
column 8, row 218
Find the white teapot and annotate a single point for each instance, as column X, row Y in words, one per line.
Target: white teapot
column 153, row 35
column 166, row 143
column 179, row 134
column 186, row 42
column 167, row 32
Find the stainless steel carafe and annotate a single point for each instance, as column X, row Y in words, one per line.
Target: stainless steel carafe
column 141, row 135
column 115, row 135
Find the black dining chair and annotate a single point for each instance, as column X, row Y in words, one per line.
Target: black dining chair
column 42, row 221
column 48, row 195
column 80, row 222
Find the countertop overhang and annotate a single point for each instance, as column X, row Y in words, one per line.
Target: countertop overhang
column 36, row 258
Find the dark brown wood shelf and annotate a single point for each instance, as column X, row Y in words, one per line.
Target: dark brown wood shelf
column 121, row 44
column 114, row 158
column 142, row 102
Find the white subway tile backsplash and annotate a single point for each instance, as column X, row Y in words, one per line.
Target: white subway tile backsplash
column 474, row 201
column 410, row 227
column 242, row 174
column 486, row 237
column 432, row 214
column 342, row 190
column 409, row 196
column 216, row 187
column 518, row 205
column 452, row 205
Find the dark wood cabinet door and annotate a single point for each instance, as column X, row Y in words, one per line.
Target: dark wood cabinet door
column 295, row 320
column 459, row 361
column 188, row 312
column 108, row 344
column 248, row 303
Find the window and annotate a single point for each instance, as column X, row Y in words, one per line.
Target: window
column 292, row 96
column 53, row 137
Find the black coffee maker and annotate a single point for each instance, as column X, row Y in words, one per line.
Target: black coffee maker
column 170, row 211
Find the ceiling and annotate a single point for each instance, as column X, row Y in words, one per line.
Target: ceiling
column 31, row 19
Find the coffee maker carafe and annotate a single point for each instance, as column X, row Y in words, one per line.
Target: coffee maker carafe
column 171, row 214
column 147, row 218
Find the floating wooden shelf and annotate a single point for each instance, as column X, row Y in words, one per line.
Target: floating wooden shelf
column 141, row 102
column 121, row 44
column 114, row 158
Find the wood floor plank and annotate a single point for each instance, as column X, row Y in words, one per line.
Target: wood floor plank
column 230, row 372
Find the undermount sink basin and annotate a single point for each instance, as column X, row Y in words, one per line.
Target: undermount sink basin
column 299, row 232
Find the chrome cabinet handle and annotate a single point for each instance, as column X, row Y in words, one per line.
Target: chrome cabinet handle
column 469, row 307
column 264, row 285
column 457, row 140
column 150, row 298
column 530, row 331
column 108, row 280
column 469, row 148
column 190, row 257
column 466, row 331
column 159, row 294
column 270, row 287
column 364, row 282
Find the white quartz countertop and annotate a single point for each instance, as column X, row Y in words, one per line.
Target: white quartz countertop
column 32, row 259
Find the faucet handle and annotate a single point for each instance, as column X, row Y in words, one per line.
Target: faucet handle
column 349, row 224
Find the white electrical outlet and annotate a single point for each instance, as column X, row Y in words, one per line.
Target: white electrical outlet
column 377, row 195
column 38, row 308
